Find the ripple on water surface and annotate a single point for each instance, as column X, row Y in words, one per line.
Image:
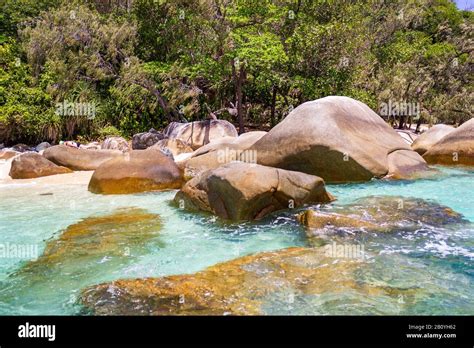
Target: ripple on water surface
column 437, row 258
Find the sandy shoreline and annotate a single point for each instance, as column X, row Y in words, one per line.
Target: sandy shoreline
column 75, row 178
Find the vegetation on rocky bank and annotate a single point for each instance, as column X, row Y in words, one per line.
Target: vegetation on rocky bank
column 83, row 70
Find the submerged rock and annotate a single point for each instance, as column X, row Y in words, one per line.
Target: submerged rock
column 456, row 148
column 199, row 133
column 139, row 171
column 321, row 219
column 339, row 139
column 379, row 214
column 88, row 241
column 244, row 286
column 79, row 159
column 243, row 191
column 33, row 165
column 429, row 138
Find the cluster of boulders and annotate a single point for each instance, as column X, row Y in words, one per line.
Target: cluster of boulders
column 454, row 148
column 332, row 140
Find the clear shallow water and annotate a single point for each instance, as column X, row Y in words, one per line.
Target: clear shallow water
column 440, row 260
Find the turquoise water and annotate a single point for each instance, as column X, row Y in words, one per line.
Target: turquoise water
column 439, row 259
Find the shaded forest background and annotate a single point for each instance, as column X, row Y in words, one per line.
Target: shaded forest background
column 144, row 63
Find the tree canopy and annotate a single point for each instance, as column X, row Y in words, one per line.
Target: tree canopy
column 145, row 63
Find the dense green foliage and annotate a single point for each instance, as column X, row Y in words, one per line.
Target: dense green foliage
column 144, row 63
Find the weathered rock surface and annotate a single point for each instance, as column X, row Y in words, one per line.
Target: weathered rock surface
column 379, row 214
column 244, row 286
column 124, row 232
column 137, row 171
column 42, row 146
column 22, row 148
column 175, row 146
column 142, row 141
column 115, row 143
column 199, row 133
column 456, row 148
column 222, row 151
column 407, row 135
column 6, row 154
column 426, row 140
column 243, row 191
column 337, row 138
column 33, row 165
column 79, row 159
column 406, row 164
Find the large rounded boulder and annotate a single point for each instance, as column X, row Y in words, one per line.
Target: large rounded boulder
column 138, row 171
column 244, row 191
column 425, row 141
column 79, row 159
column 33, row 165
column 339, row 139
column 200, row 133
column 456, row 148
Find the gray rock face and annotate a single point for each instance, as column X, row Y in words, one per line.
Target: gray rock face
column 199, row 133
column 42, row 146
column 142, row 141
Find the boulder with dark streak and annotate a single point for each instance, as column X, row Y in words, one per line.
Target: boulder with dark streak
column 200, row 133
column 244, row 191
column 340, row 140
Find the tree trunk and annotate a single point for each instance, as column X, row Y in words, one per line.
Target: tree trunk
column 418, row 124
column 402, row 122
column 272, row 113
column 238, row 91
